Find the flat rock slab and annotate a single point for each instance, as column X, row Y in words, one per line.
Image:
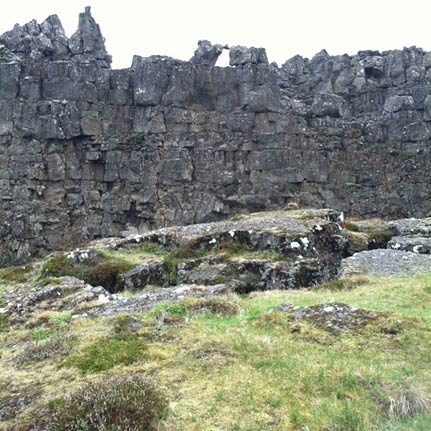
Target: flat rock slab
column 413, row 226
column 413, row 243
column 148, row 300
column 385, row 262
column 294, row 223
column 332, row 316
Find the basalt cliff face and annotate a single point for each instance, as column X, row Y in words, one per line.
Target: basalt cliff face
column 88, row 152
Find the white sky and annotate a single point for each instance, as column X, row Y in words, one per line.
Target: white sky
column 284, row 27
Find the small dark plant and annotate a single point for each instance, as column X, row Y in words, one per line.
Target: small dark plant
column 136, row 136
column 170, row 270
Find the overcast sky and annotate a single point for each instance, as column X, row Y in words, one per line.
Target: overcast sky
column 285, row 28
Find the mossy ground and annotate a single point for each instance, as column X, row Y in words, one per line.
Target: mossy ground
column 226, row 365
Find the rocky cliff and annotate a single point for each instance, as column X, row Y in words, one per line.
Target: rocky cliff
column 87, row 151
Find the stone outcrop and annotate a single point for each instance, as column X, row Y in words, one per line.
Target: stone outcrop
column 261, row 251
column 88, row 152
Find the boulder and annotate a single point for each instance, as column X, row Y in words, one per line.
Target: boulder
column 241, row 55
column 207, row 53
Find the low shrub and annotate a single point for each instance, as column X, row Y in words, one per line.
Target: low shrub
column 107, row 274
column 350, row 226
column 136, row 136
column 132, row 403
column 102, row 272
column 53, row 348
column 4, row 322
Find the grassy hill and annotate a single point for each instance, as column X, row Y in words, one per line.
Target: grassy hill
column 232, row 363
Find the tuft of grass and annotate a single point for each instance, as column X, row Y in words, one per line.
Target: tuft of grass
column 237, row 217
column 348, row 283
column 408, row 402
column 227, row 306
column 50, row 280
column 128, row 403
column 107, row 353
column 186, row 251
column 60, row 319
column 16, row 274
column 236, row 248
column 170, row 270
column 219, row 305
column 176, row 308
column 40, row 334
column 58, row 266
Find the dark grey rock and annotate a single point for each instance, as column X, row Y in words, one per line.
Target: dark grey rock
column 207, row 53
column 241, row 55
column 329, row 104
column 86, row 151
column 145, row 274
column 88, row 39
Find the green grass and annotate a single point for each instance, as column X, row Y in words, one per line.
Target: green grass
column 107, row 353
column 237, row 366
column 40, row 334
column 151, row 248
column 16, row 274
column 381, row 236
